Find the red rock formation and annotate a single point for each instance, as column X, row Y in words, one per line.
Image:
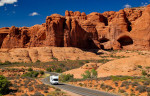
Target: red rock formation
column 141, row 30
column 126, row 29
column 3, row 33
column 36, row 36
column 13, row 39
column 55, row 30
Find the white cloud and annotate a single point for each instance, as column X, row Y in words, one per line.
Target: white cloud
column 34, row 14
column 144, row 3
column 3, row 2
column 15, row 5
column 127, row 6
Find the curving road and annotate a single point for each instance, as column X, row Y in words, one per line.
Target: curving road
column 77, row 90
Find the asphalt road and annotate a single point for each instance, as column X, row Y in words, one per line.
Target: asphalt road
column 77, row 90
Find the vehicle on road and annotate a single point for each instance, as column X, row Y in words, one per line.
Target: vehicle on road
column 54, row 79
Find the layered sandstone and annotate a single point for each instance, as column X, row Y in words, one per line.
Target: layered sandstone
column 126, row 29
column 128, row 65
column 127, row 68
column 45, row 54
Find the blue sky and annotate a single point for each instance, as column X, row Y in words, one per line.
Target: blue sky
column 30, row 12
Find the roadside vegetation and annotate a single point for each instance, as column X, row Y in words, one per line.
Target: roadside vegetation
column 4, row 85
column 57, row 92
column 25, row 82
column 114, row 56
column 26, row 77
column 123, row 85
column 54, row 66
column 66, row 77
column 87, row 75
column 90, row 74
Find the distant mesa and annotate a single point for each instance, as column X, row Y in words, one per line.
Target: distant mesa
column 127, row 29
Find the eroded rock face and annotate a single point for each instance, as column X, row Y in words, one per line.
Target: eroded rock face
column 45, row 54
column 55, row 30
column 126, row 29
column 3, row 33
column 13, row 39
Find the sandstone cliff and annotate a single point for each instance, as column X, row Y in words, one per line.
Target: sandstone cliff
column 126, row 29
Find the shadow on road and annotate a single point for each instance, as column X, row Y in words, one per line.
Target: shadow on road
column 59, row 84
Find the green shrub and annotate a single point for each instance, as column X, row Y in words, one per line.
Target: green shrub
column 132, row 94
column 147, row 67
column 124, row 83
column 49, row 69
column 38, row 61
column 31, row 74
column 54, row 67
column 120, row 78
column 103, row 61
column 4, row 85
column 103, row 86
column 127, row 86
column 34, row 73
column 126, row 94
column 94, row 73
column 86, row 61
column 41, row 72
column 59, row 70
column 121, row 91
column 86, row 75
column 139, row 66
column 30, row 69
column 116, row 84
column 38, row 94
column 109, row 87
column 89, row 74
column 146, row 82
column 25, row 94
column 118, row 57
column 66, row 77
column 81, row 84
column 55, row 59
column 61, row 65
column 7, row 62
column 148, row 89
column 30, row 89
column 28, row 74
column 148, row 75
column 57, row 89
column 81, row 63
column 144, row 72
column 134, row 84
column 45, row 91
column 141, row 88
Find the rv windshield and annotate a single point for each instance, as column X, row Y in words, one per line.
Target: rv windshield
column 55, row 79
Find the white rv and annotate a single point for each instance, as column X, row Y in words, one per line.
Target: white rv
column 54, row 79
